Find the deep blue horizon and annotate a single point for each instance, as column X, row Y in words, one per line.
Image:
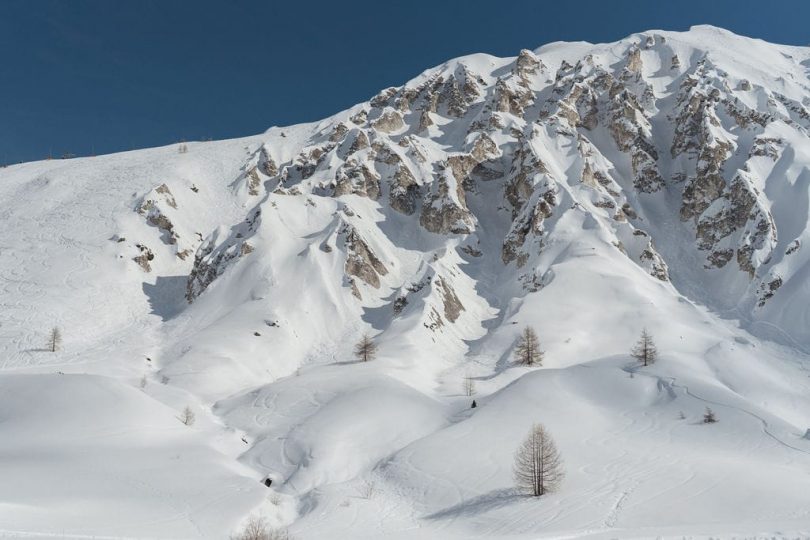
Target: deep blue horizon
column 93, row 77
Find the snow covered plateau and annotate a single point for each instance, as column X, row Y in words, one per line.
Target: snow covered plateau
column 588, row 191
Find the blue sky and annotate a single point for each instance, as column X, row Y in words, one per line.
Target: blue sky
column 103, row 76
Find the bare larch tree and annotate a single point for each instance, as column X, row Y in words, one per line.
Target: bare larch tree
column 538, row 467
column 527, row 351
column 365, row 349
column 644, row 350
column 54, row 339
column 469, row 386
column 188, row 416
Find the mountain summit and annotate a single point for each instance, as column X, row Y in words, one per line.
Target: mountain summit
column 585, row 191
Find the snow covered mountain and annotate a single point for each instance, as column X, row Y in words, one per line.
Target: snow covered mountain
column 662, row 181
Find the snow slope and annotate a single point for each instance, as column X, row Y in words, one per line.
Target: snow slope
column 586, row 190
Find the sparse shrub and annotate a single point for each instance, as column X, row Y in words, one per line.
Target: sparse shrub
column 256, row 529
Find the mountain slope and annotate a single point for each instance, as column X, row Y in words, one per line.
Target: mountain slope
column 586, row 190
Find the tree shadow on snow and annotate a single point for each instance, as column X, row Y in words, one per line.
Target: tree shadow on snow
column 492, row 500
column 167, row 297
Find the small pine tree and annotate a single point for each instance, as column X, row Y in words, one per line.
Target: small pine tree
column 365, row 349
column 709, row 417
column 188, row 416
column 644, row 350
column 538, row 466
column 54, row 339
column 527, row 351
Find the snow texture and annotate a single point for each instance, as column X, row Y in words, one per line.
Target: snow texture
column 586, row 190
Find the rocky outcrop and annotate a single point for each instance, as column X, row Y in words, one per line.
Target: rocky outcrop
column 358, row 179
column 537, row 142
column 253, row 181
column 444, row 209
column 389, row 121
column 452, row 305
column 529, row 222
column 360, row 142
column 210, row 262
column 144, row 258
column 150, row 207
column 361, row 262
column 654, row 263
column 218, row 251
column 527, row 64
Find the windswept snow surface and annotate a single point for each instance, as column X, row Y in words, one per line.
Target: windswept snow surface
column 440, row 218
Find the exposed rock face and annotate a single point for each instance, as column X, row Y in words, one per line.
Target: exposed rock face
column 358, row 179
column 361, row 262
column 209, row 262
column 529, row 223
column 253, row 181
column 360, row 142
column 720, row 206
column 607, row 137
column 452, row 305
column 151, row 209
column 512, row 98
column 404, row 192
column 144, row 258
column 634, row 63
column 389, row 121
column 527, row 64
column 767, row 290
column 654, row 263
column 339, row 132
column 218, row 251
column 266, row 164
column 445, row 209
column 424, row 120
column 360, row 118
